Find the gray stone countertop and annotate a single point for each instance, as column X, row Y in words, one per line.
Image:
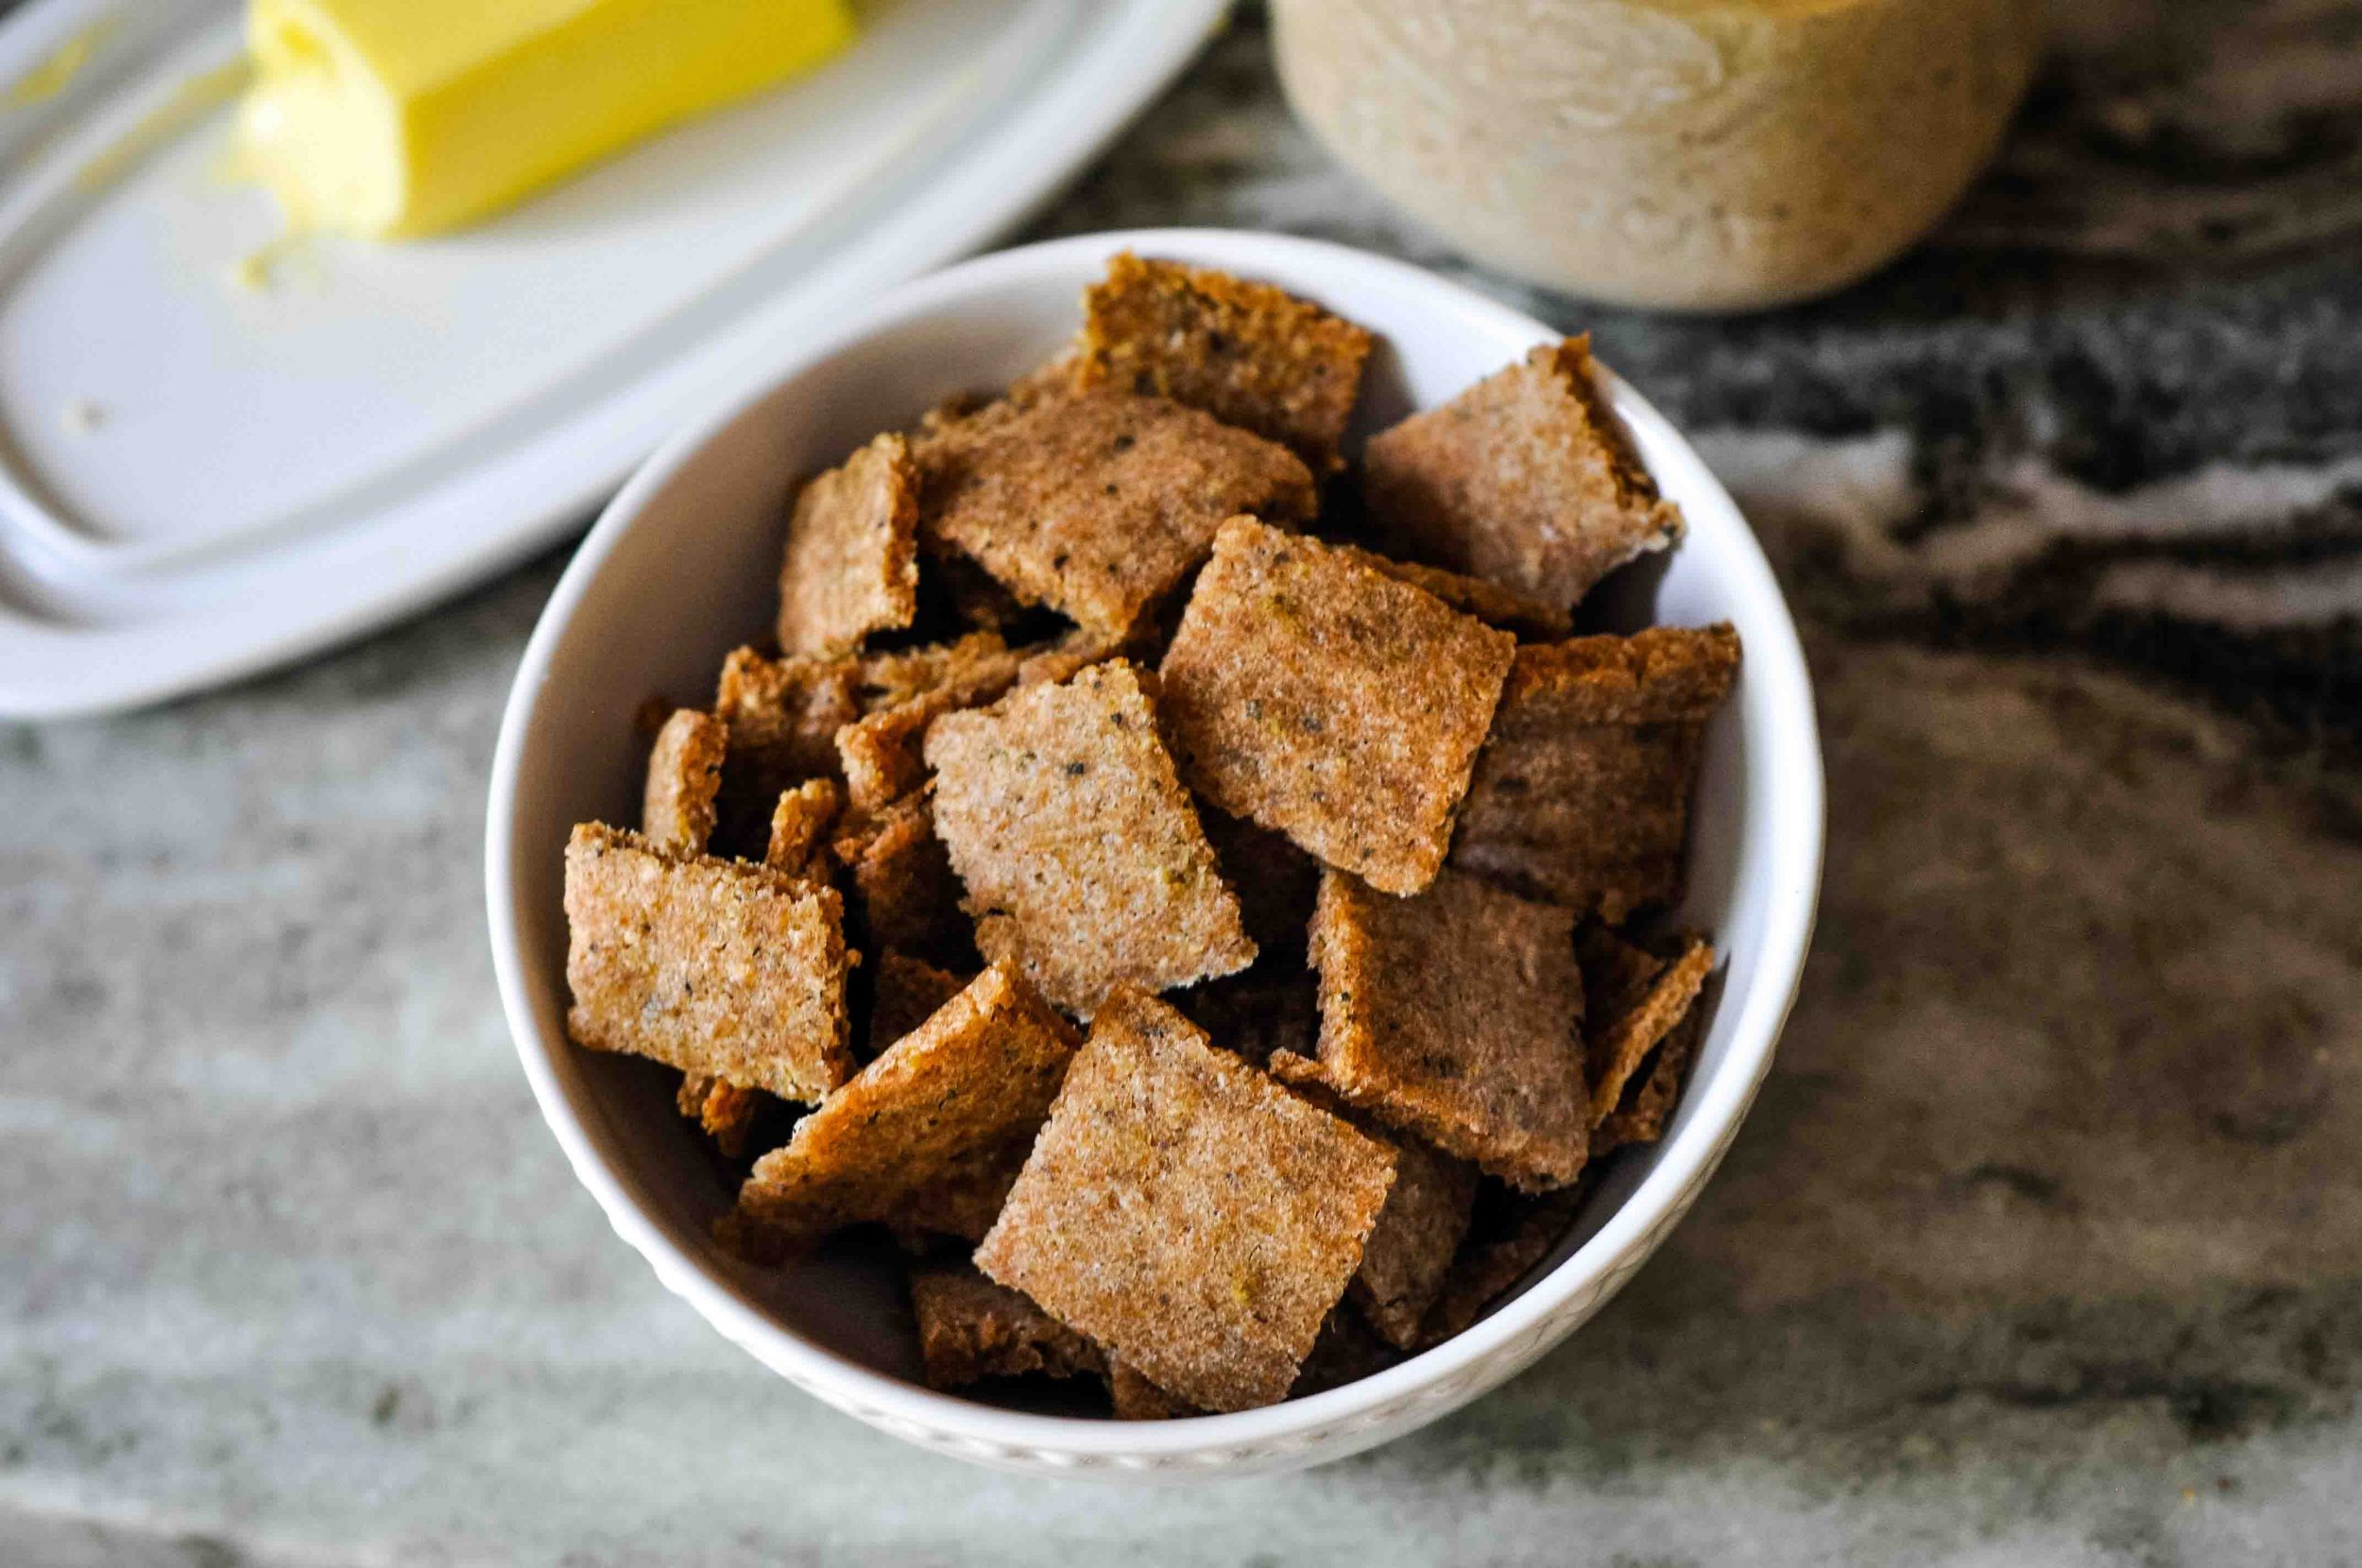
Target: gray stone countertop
column 2044, row 1245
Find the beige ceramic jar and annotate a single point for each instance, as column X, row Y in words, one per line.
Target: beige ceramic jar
column 1685, row 154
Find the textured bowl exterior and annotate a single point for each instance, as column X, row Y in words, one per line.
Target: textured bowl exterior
column 689, row 546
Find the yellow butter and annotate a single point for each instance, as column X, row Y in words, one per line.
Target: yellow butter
column 391, row 118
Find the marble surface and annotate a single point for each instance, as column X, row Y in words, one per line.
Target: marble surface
column 2044, row 1244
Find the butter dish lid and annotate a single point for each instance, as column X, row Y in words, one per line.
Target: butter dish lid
column 223, row 451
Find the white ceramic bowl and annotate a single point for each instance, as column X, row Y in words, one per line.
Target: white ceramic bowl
column 681, row 568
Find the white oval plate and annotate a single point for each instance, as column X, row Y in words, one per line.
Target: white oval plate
column 198, row 480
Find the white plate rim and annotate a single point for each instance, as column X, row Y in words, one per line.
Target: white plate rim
column 301, row 595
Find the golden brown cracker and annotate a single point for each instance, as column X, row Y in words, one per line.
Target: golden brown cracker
column 970, row 1329
column 945, row 1099
column 1644, row 1113
column 1454, row 1015
column 1191, row 1216
column 1082, row 856
column 975, row 662
column 801, row 823
column 1525, row 478
column 1098, row 507
column 677, row 810
column 1615, row 974
column 1581, row 793
column 1325, row 700
column 1618, row 1042
column 851, row 563
column 712, row 966
column 1247, row 354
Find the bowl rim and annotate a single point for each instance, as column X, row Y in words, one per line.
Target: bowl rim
column 1776, row 670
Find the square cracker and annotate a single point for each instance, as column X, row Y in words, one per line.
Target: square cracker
column 1187, row 1214
column 712, row 966
column 1328, row 701
column 1525, row 478
column 1098, row 506
column 952, row 1096
column 970, row 1329
column 1250, row 354
column 1454, row 1015
column 1418, row 1233
column 677, row 810
column 1581, row 793
column 851, row 563
column 1084, row 860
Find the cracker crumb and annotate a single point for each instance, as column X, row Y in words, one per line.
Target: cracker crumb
column 1525, row 478
column 712, row 966
column 1329, row 702
column 676, row 810
column 1247, row 354
column 1082, row 856
column 950, row 1097
column 1188, row 1215
column 1099, row 505
column 1581, row 793
column 851, row 563
column 725, row 1111
column 1454, row 1015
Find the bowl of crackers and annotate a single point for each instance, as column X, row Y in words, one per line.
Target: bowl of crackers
column 1172, row 856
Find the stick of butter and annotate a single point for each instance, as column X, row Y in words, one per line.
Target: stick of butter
column 391, row 118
